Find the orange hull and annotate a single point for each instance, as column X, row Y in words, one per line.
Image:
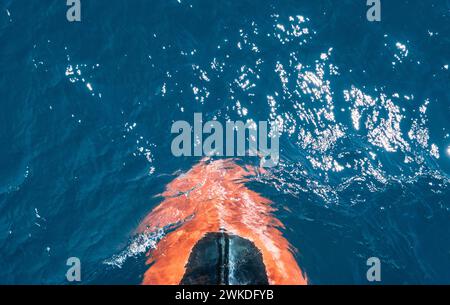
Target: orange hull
column 212, row 197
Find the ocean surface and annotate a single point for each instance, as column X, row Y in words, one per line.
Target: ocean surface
column 87, row 107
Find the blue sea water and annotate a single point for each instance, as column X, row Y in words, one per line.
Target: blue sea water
column 86, row 111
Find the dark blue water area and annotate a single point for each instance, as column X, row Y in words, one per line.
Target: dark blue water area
column 87, row 107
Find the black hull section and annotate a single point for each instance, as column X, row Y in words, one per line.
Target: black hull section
column 223, row 259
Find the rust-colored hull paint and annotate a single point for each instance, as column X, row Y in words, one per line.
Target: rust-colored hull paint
column 209, row 198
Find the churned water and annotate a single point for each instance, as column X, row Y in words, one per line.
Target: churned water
column 87, row 107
